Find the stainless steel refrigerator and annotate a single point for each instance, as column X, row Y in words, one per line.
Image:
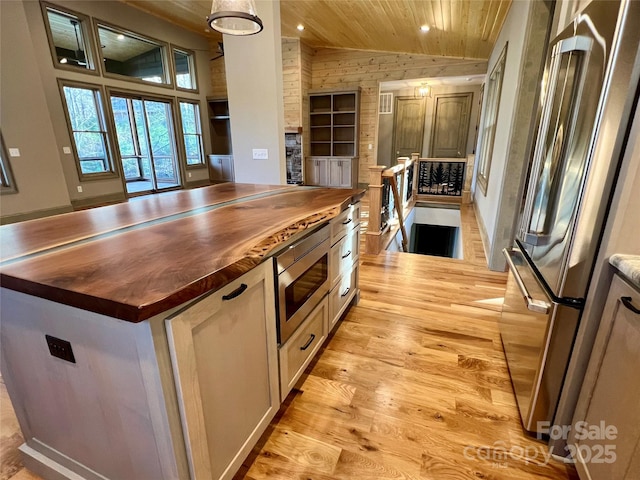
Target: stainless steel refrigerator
column 589, row 87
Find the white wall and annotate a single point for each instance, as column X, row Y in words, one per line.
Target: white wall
column 256, row 107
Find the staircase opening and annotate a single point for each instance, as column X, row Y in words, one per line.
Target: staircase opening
column 434, row 229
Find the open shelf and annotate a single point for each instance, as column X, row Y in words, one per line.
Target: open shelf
column 333, row 118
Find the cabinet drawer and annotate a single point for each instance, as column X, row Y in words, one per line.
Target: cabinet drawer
column 345, row 222
column 343, row 254
column 296, row 354
column 342, row 294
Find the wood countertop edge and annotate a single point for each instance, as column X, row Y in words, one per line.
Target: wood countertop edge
column 209, row 283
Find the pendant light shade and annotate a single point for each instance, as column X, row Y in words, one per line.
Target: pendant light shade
column 234, row 17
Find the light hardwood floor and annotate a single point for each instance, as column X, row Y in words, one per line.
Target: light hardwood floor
column 412, row 385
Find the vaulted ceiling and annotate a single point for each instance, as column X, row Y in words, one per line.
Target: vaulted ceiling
column 457, row 28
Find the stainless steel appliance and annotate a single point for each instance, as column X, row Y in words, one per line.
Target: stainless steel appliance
column 303, row 279
column 590, row 86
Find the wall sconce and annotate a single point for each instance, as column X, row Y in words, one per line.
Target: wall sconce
column 424, row 90
column 234, row 17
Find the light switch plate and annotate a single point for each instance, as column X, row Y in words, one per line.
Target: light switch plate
column 14, row 152
column 261, row 154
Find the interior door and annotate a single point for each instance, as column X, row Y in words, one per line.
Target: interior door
column 452, row 113
column 144, row 130
column 408, row 126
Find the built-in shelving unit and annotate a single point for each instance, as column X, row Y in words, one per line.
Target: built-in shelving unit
column 220, row 126
column 221, row 159
column 333, row 124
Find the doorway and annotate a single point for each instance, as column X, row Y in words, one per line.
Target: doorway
column 408, row 126
column 451, row 125
column 147, row 145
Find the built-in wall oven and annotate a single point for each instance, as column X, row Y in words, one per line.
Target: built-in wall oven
column 302, row 280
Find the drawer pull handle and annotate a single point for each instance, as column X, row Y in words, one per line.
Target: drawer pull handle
column 306, row 345
column 346, row 254
column 236, row 293
column 347, row 222
column 626, row 301
column 346, row 292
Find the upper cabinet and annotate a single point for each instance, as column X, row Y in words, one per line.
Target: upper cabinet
column 334, row 124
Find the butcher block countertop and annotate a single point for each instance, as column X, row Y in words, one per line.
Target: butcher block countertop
column 137, row 259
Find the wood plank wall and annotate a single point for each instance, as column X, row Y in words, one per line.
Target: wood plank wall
column 292, row 83
column 340, row 69
column 218, row 72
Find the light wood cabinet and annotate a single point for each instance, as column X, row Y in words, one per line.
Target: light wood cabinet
column 303, row 345
column 343, row 262
column 224, row 354
column 610, row 392
column 331, row 172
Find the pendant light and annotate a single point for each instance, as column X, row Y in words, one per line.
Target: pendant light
column 234, row 17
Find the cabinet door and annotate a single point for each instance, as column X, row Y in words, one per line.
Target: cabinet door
column 224, row 355
column 340, row 173
column 610, row 392
column 316, row 171
column 221, row 168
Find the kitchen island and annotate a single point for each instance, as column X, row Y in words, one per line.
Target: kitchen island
column 139, row 340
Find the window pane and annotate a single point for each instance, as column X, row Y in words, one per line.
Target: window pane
column 188, row 114
column 68, row 39
column 131, row 168
column 192, row 146
column 159, row 128
column 90, row 145
column 82, row 109
column 184, row 70
column 131, row 56
column 123, row 126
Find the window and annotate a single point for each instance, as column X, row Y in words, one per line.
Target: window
column 489, row 119
column 7, row 185
column 85, row 116
column 192, row 131
column 183, row 61
column 67, row 32
column 386, row 103
column 131, row 55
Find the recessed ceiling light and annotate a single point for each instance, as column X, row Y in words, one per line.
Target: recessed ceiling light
column 300, row 27
column 120, row 36
column 424, row 28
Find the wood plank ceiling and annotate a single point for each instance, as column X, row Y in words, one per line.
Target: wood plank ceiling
column 458, row 28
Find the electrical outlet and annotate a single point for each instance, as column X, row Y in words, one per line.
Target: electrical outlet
column 79, row 189
column 60, row 348
column 66, row 150
column 14, row 152
column 371, row 146
column 189, row 174
column 261, row 154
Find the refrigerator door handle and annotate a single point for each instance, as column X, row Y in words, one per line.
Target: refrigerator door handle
column 538, row 306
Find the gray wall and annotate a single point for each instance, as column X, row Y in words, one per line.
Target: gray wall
column 256, row 105
column 386, row 155
column 525, row 30
column 32, row 115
